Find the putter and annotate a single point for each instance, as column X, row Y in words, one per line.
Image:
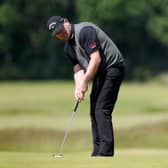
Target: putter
column 59, row 155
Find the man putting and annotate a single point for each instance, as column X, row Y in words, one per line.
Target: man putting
column 94, row 56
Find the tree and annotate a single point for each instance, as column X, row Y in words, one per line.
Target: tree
column 131, row 25
column 158, row 25
column 27, row 50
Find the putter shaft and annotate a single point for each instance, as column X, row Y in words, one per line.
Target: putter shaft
column 68, row 125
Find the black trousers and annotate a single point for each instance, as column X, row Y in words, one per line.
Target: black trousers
column 103, row 97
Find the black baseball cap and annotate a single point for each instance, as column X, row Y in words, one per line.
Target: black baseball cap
column 55, row 24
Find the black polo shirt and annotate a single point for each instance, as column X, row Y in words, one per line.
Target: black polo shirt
column 88, row 40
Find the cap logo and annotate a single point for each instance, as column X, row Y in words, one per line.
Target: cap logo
column 52, row 26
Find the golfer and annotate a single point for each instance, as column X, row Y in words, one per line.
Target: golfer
column 94, row 56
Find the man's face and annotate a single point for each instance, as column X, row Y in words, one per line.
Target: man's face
column 64, row 34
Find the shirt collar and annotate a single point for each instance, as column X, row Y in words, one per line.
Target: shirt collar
column 72, row 39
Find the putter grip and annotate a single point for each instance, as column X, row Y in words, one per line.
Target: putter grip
column 76, row 105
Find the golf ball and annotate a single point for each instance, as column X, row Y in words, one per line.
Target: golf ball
column 57, row 155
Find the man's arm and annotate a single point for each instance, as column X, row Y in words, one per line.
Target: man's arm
column 90, row 43
column 78, row 77
column 93, row 66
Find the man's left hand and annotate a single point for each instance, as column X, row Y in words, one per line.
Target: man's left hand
column 82, row 90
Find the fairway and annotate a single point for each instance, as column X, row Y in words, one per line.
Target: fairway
column 123, row 159
column 33, row 117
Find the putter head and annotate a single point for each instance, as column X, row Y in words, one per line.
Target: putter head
column 60, row 155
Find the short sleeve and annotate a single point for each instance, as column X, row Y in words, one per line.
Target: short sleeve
column 89, row 40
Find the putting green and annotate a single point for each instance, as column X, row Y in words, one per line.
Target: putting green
column 123, row 159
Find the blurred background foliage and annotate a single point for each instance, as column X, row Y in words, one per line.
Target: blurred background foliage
column 27, row 50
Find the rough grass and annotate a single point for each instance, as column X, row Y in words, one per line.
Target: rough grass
column 142, row 136
column 33, row 117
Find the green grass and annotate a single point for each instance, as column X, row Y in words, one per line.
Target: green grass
column 143, row 98
column 33, row 117
column 57, row 98
column 45, row 140
column 123, row 159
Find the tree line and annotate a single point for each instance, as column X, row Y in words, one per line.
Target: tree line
column 27, row 50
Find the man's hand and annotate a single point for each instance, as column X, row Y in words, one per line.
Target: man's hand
column 80, row 93
column 82, row 78
column 78, row 77
column 81, row 89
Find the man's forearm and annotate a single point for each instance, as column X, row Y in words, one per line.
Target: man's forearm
column 82, row 78
column 93, row 66
column 78, row 74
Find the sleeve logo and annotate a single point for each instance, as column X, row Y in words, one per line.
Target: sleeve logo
column 92, row 45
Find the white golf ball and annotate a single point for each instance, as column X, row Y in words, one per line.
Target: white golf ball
column 57, row 155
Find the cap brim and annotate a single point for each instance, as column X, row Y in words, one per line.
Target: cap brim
column 57, row 29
